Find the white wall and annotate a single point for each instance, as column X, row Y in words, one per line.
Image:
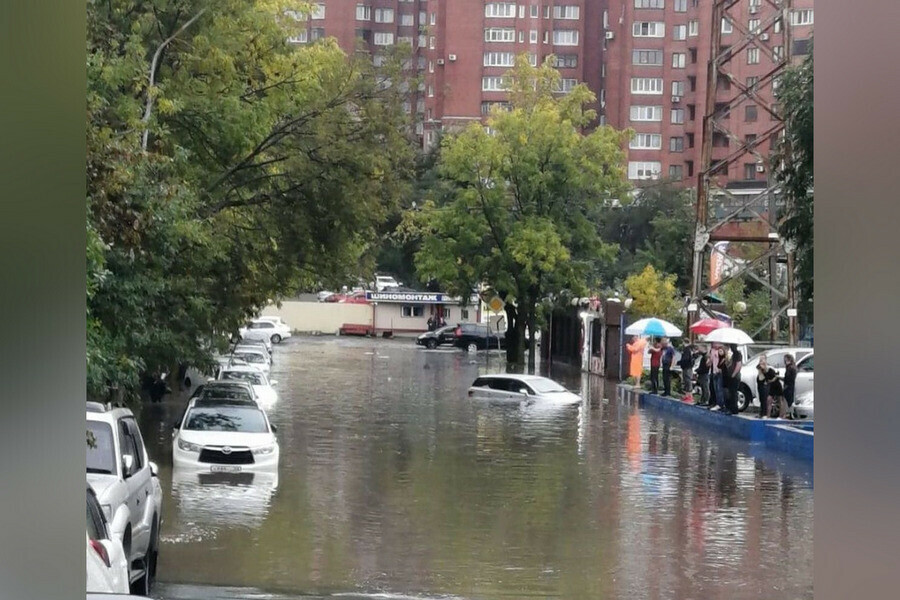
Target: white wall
column 324, row 317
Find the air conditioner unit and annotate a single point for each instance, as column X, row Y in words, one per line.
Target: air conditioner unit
column 760, row 168
column 676, row 99
column 764, row 36
column 440, row 61
column 610, row 35
column 451, row 57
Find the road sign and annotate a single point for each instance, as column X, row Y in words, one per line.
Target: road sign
column 496, row 304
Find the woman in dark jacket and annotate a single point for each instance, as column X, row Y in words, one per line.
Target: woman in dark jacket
column 790, row 377
column 762, row 386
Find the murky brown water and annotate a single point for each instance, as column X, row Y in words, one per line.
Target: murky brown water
column 393, row 484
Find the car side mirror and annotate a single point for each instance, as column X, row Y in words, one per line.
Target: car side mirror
column 127, row 464
column 274, row 428
column 523, row 391
column 154, row 470
column 273, row 383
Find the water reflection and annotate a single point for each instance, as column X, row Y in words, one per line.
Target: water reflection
column 392, row 481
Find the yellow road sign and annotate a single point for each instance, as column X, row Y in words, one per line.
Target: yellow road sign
column 496, row 304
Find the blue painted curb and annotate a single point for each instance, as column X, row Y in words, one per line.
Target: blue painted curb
column 784, row 436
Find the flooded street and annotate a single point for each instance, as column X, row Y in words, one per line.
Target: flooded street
column 394, row 484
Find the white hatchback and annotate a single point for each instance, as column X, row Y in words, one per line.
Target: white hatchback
column 519, row 388
column 224, row 437
column 263, row 387
column 265, row 329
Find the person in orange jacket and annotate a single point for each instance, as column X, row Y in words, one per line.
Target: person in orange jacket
column 636, row 361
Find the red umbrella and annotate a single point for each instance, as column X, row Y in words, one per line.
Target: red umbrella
column 704, row 326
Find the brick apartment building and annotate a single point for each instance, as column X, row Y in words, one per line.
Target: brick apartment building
column 646, row 60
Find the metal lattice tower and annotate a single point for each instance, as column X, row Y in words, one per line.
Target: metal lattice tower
column 750, row 219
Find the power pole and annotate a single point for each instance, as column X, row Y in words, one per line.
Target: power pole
column 721, row 215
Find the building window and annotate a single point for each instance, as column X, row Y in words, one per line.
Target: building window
column 778, row 52
column 690, row 167
column 647, row 57
column 646, row 85
column 431, row 91
column 723, row 110
column 423, row 41
column 778, row 24
column 499, row 59
column 680, row 5
column 565, row 85
column 690, row 140
column 679, row 32
column 649, row 4
column 646, row 113
column 430, row 66
column 753, row 25
column 678, row 88
column 800, row 48
column 720, row 140
column 463, row 312
column 384, row 38
column 567, row 12
column 802, row 16
column 433, row 18
column 486, row 107
column 533, row 36
column 318, row 11
column 301, row 38
column 749, row 171
column 415, row 310
column 750, row 113
column 317, row 33
column 499, row 34
column 644, row 170
column 407, row 20
column 521, row 36
column 752, row 56
column 384, row 15
column 692, row 112
column 363, row 12
column 692, row 81
column 646, row 141
column 752, row 81
column 676, row 144
column 546, row 12
column 676, row 172
column 565, row 37
column 649, row 29
column 423, row 17
column 493, row 84
column 693, row 52
column 532, row 59
column 565, row 61
column 535, row 11
column 727, row 27
column 693, row 28
column 677, row 116
column 723, row 83
column 500, row 10
column 678, row 60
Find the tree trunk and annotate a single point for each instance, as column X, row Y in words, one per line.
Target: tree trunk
column 532, row 320
column 515, row 329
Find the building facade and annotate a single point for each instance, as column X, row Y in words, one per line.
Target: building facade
column 646, row 60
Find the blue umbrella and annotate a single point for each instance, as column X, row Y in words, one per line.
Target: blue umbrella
column 653, row 326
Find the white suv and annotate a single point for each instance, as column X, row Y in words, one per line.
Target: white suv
column 127, row 487
column 265, row 329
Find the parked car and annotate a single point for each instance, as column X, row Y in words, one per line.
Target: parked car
column 226, row 390
column 803, row 405
column 383, row 282
column 254, row 358
column 747, row 395
column 262, row 342
column 263, row 329
column 323, row 295
column 467, row 334
column 519, row 388
column 224, row 438
column 252, row 348
column 438, row 337
column 262, row 386
column 126, row 483
column 107, row 568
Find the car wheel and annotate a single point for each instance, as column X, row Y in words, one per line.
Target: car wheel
column 153, row 553
column 745, row 396
column 431, row 344
column 276, row 339
column 141, row 585
column 473, row 347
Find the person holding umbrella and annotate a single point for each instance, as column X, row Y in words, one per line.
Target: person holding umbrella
column 655, row 356
column 636, row 361
column 718, row 368
column 735, row 364
column 653, row 327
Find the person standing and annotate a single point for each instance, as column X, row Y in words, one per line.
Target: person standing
column 790, row 378
column 655, row 356
column 776, row 394
column 636, row 360
column 668, row 356
column 736, row 363
column 703, row 368
column 718, row 369
column 431, row 323
column 762, row 386
column 686, row 362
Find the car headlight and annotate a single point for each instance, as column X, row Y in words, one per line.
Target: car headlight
column 187, row 446
column 264, row 449
column 107, row 512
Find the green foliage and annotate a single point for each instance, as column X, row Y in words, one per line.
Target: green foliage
column 248, row 170
column 656, row 227
column 517, row 208
column 794, row 160
column 654, row 294
column 758, row 309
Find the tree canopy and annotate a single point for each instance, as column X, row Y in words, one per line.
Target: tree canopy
column 517, row 204
column 226, row 168
column 653, row 294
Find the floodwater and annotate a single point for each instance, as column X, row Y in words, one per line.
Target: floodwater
column 394, row 484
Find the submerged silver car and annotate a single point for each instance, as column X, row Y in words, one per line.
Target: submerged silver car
column 518, row 388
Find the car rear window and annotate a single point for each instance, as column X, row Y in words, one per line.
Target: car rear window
column 482, row 382
column 251, row 378
column 101, row 449
column 227, row 418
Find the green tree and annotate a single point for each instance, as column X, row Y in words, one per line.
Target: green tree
column 523, row 201
column 794, row 170
column 653, row 294
column 225, row 168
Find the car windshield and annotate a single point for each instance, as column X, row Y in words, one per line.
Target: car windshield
column 227, row 418
column 101, row 450
column 248, row 376
column 223, row 393
column 546, row 386
column 251, row 357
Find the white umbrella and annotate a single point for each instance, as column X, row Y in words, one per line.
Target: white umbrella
column 729, row 335
column 653, row 326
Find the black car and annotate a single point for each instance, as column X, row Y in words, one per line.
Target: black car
column 467, row 334
column 438, row 337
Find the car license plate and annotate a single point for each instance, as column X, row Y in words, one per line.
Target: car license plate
column 225, row 469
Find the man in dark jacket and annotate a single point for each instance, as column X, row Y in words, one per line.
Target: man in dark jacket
column 668, row 356
column 686, row 362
